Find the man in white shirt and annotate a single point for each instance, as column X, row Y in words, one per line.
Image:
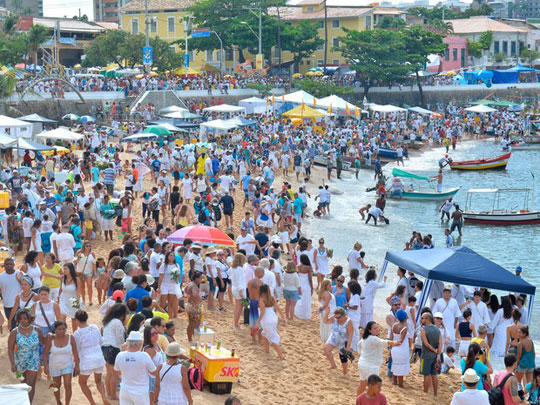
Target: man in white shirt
column 471, row 395
column 269, row 277
column 449, row 308
column 134, row 366
column 480, row 314
column 227, row 182
column 156, row 258
column 9, row 287
column 64, row 244
column 246, row 242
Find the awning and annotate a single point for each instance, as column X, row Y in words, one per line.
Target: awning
column 61, row 134
column 37, row 118
column 225, row 108
column 401, row 173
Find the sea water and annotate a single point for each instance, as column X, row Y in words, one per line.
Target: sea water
column 509, row 246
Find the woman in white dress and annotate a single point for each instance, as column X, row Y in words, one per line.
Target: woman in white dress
column 268, row 320
column 354, row 308
column 32, row 269
column 340, row 338
column 400, row 352
column 370, row 350
column 368, row 296
column 68, row 293
column 327, row 300
column 322, row 254
column 302, row 309
column 187, row 188
column 238, row 286
column 172, row 386
column 502, row 319
column 168, row 286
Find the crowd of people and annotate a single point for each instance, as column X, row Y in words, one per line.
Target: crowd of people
column 253, row 185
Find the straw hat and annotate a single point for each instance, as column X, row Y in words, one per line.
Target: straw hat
column 119, row 274
column 196, row 245
column 211, row 250
column 173, row 350
column 469, row 377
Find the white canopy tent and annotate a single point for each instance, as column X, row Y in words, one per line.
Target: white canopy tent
column 6, row 141
column 387, row 108
column 420, row 110
column 481, row 109
column 253, row 104
column 337, row 103
column 299, row 97
column 181, row 115
column 62, row 134
column 225, row 108
column 172, row 127
column 170, row 109
column 138, row 136
column 216, row 126
column 15, row 128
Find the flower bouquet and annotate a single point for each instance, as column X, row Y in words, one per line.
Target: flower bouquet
column 175, row 274
column 75, row 303
column 245, row 302
column 52, row 385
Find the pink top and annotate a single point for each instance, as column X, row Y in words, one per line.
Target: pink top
column 507, row 395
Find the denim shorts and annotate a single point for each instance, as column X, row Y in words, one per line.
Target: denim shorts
column 292, row 295
column 152, row 381
column 63, row 371
column 211, row 285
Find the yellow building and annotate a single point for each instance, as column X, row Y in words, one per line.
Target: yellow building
column 354, row 18
column 168, row 20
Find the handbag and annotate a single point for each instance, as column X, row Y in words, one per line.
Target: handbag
column 45, row 317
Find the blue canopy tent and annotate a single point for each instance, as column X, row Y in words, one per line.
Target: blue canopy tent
column 459, row 265
column 520, row 68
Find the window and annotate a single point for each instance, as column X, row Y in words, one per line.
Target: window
column 153, row 25
column 335, row 24
column 135, row 26
column 368, row 22
column 321, row 47
column 320, row 62
column 308, row 62
column 171, row 27
column 496, row 48
column 335, row 41
column 505, row 47
column 209, row 56
column 447, row 54
column 335, row 61
column 454, row 54
column 462, row 57
column 229, row 55
column 513, row 48
column 321, row 25
column 309, row 9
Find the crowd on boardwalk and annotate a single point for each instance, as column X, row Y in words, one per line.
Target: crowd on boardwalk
column 252, row 184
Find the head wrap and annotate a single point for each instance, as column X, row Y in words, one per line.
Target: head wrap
column 28, row 279
column 401, row 315
column 395, row 300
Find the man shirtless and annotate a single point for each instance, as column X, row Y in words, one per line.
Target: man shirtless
column 362, row 211
column 193, row 303
column 253, row 289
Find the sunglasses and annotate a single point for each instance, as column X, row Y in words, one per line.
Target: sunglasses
column 154, row 334
column 340, row 281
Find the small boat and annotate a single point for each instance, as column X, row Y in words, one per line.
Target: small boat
column 524, row 146
column 320, row 160
column 389, row 153
column 498, row 163
column 421, row 193
column 497, row 215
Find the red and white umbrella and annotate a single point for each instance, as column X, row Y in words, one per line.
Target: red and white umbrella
column 205, row 235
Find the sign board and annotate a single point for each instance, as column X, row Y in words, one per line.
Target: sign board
column 259, row 62
column 147, row 56
column 217, row 367
column 186, row 60
column 200, row 33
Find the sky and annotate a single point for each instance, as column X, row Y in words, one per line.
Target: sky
column 68, row 8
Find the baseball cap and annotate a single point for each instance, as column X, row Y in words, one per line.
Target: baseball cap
column 118, row 294
column 518, row 268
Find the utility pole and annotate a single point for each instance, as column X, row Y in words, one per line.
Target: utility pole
column 279, row 37
column 146, row 26
column 325, row 36
column 260, row 31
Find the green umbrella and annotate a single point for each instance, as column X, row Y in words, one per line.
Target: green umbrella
column 71, row 117
column 157, row 130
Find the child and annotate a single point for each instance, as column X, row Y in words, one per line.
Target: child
column 101, row 281
column 169, row 331
column 411, row 319
column 449, row 361
column 146, row 303
column 373, row 395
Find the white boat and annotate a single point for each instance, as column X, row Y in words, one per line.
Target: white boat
column 497, row 215
column 420, row 193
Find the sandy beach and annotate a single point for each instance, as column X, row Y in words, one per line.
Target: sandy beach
column 304, row 377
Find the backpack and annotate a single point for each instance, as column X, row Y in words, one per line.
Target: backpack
column 195, row 378
column 495, row 394
column 217, row 212
column 202, row 216
column 154, row 205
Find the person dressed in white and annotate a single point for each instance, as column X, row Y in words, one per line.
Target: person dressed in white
column 480, row 313
column 63, row 245
column 400, row 351
column 370, row 350
column 368, row 297
column 172, row 384
column 354, row 256
column 134, row 366
column 449, row 308
column 238, row 286
column 322, row 268
column 501, row 321
column 302, row 309
column 354, row 309
column 471, row 394
column 268, row 320
column 327, row 300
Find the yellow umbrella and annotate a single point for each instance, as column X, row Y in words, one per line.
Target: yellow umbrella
column 297, row 75
column 303, row 111
column 60, row 150
column 186, row 72
column 316, row 73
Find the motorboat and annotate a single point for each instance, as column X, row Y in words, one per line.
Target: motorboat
column 410, row 192
column 497, row 163
column 497, row 215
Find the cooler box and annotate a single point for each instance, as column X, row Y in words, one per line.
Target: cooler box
column 4, row 199
column 220, row 370
column 203, row 338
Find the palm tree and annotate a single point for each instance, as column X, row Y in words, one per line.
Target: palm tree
column 7, row 83
column 34, row 38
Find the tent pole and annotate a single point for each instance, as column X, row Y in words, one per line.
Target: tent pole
column 18, row 156
column 531, row 302
column 383, row 270
column 423, row 298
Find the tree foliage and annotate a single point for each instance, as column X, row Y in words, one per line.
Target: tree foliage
column 7, row 83
column 36, row 35
column 125, row 49
column 301, row 40
column 475, row 48
column 432, row 15
column 391, row 23
column 322, row 89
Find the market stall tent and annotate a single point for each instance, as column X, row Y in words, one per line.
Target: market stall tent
column 420, row 110
column 253, row 105
column 459, row 265
column 62, row 134
column 170, row 109
column 219, row 125
column 15, row 128
column 225, row 108
column 387, row 108
column 337, row 103
column 481, row 109
column 299, row 97
column 303, row 111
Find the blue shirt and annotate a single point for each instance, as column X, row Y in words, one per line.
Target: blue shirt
column 138, row 293
column 109, row 174
column 180, row 262
column 156, row 165
column 245, row 182
column 298, row 205
column 480, row 369
column 95, row 174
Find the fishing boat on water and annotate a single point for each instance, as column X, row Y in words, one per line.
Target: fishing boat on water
column 391, row 154
column 410, row 192
column 497, row 215
column 497, row 163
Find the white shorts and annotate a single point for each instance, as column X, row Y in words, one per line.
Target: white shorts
column 98, row 370
column 171, row 289
column 107, row 224
column 365, row 371
column 238, row 294
column 128, row 398
column 284, row 237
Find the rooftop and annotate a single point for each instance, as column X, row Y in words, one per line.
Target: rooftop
column 482, row 24
column 296, row 13
column 157, row 5
column 66, row 24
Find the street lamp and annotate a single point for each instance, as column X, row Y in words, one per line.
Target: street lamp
column 221, row 51
column 254, row 33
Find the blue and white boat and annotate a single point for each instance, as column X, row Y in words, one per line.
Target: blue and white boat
column 389, row 153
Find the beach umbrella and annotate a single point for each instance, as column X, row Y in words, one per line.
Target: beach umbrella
column 205, row 235
column 156, row 130
column 71, row 117
column 87, row 118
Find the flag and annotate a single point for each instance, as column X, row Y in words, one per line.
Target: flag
column 283, row 99
column 356, row 112
column 347, row 109
column 303, row 105
column 329, row 109
column 267, row 101
column 273, row 99
column 314, row 102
